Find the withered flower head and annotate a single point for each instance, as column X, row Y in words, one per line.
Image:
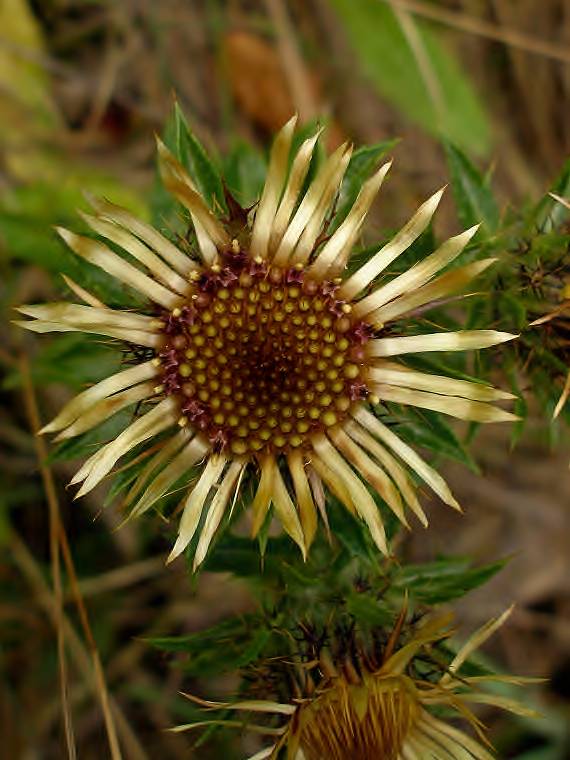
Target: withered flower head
column 266, row 355
column 363, row 708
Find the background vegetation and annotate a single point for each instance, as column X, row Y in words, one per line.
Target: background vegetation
column 479, row 95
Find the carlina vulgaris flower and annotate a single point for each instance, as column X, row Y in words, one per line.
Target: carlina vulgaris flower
column 365, row 704
column 265, row 356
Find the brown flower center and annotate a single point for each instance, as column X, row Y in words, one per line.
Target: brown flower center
column 263, row 357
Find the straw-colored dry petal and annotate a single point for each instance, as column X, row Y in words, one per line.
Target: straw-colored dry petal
column 139, row 251
column 98, row 254
column 448, row 283
column 452, row 341
column 463, row 409
column 386, row 255
column 276, row 174
column 195, row 502
column 103, row 389
column 338, row 248
column 178, row 260
column 417, row 276
column 309, row 205
column 406, row 454
column 390, row 373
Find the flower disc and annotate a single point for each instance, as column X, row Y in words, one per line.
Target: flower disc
column 261, row 358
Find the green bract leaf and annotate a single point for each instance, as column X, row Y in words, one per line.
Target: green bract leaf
column 233, row 643
column 473, row 196
column 367, row 609
column 428, row 429
column 443, row 580
column 349, row 530
column 194, row 158
column 244, row 173
column 550, row 213
column 392, row 66
column 240, row 556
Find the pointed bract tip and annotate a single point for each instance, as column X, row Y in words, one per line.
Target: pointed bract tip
column 292, row 122
column 49, row 428
column 317, row 134
column 469, row 233
column 174, row 554
column 66, row 235
column 161, row 146
column 64, row 435
column 439, row 193
column 83, row 490
column 454, row 504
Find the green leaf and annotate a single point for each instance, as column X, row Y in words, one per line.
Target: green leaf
column 193, row 642
column 444, row 579
column 244, row 173
column 194, row 158
column 350, row 531
column 549, row 213
column 520, row 407
column 240, row 556
column 255, row 647
column 544, row 753
column 365, row 608
column 72, row 359
column 362, row 163
column 391, row 65
column 473, row 197
column 428, row 429
column 232, row 643
column 515, row 311
column 82, row 446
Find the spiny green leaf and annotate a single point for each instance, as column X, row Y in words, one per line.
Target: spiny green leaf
column 224, row 631
column 365, row 608
column 550, row 213
column 443, row 580
column 244, row 173
column 350, row 531
column 428, row 429
column 255, row 647
column 240, row 556
column 194, row 158
column 473, row 196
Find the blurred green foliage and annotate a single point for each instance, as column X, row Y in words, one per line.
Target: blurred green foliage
column 415, row 72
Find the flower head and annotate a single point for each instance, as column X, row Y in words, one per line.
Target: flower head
column 350, row 700
column 264, row 355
